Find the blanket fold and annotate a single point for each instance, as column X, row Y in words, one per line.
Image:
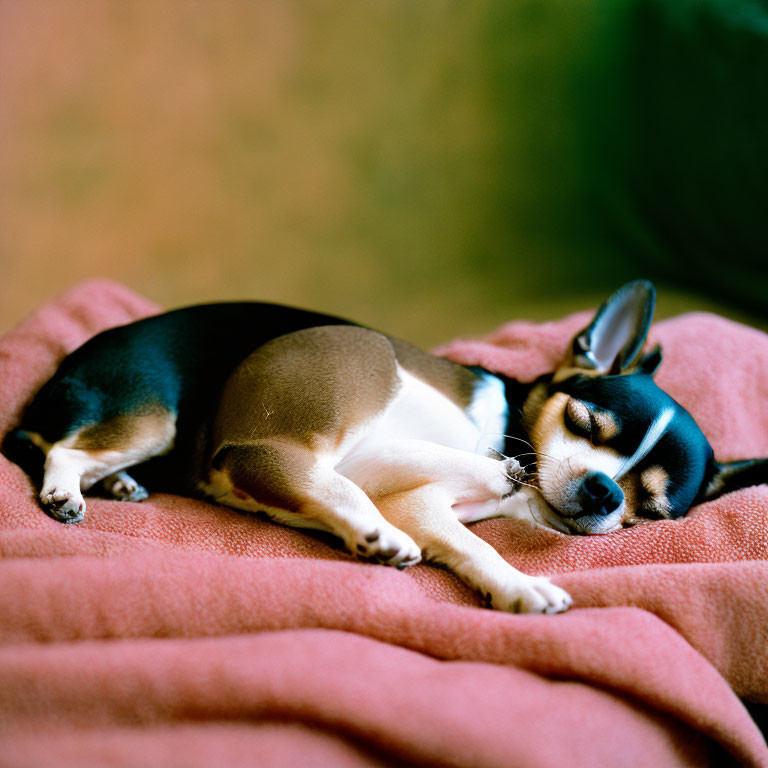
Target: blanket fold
column 176, row 632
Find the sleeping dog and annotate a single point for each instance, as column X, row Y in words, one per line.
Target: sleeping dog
column 323, row 424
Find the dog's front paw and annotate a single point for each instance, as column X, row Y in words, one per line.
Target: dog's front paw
column 534, row 594
column 63, row 505
column 389, row 546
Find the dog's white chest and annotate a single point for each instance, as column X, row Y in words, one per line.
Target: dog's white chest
column 421, row 412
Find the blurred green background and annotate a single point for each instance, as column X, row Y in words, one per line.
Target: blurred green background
column 431, row 168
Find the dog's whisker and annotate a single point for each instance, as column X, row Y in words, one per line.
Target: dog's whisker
column 528, row 453
column 539, row 453
column 520, row 482
column 495, row 452
column 535, row 515
column 510, row 437
column 546, row 457
column 524, row 466
column 553, row 524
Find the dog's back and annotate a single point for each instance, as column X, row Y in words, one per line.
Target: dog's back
column 174, row 360
column 173, row 364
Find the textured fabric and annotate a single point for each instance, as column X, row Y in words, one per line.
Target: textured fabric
column 174, row 632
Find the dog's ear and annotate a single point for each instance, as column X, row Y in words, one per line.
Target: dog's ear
column 613, row 340
column 728, row 476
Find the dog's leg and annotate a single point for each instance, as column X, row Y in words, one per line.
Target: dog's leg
column 426, row 514
column 525, row 504
column 481, row 487
column 79, row 461
column 399, row 465
column 288, row 482
column 70, row 471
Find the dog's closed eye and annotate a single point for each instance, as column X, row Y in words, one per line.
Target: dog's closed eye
column 590, row 422
column 578, row 418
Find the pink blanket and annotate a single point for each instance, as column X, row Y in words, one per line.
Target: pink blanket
column 174, row 632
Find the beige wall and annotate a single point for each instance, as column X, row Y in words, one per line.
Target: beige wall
column 400, row 163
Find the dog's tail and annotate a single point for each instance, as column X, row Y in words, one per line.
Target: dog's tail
column 19, row 447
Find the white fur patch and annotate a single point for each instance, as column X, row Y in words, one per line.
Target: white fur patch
column 489, row 410
column 652, row 436
column 420, row 412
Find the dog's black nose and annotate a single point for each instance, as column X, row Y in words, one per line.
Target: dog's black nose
column 599, row 495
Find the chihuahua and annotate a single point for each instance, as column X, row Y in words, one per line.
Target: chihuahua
column 323, row 424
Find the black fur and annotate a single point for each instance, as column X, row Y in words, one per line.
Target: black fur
column 517, row 393
column 178, row 361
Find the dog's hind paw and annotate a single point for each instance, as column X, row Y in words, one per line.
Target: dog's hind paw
column 123, row 487
column 388, row 546
column 535, row 594
column 63, row 505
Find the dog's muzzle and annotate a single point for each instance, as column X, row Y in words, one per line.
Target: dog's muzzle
column 598, row 494
column 600, row 504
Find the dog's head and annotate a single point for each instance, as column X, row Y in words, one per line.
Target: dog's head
column 613, row 448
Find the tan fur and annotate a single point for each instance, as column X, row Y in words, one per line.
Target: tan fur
column 99, row 451
column 426, row 481
column 317, row 385
column 642, row 494
column 606, row 425
column 654, row 481
column 38, row 440
column 533, row 405
column 549, row 419
column 629, row 486
column 127, row 431
column 284, row 462
column 602, row 423
column 455, row 381
column 564, row 372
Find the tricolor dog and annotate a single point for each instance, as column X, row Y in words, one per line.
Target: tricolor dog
column 324, row 424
